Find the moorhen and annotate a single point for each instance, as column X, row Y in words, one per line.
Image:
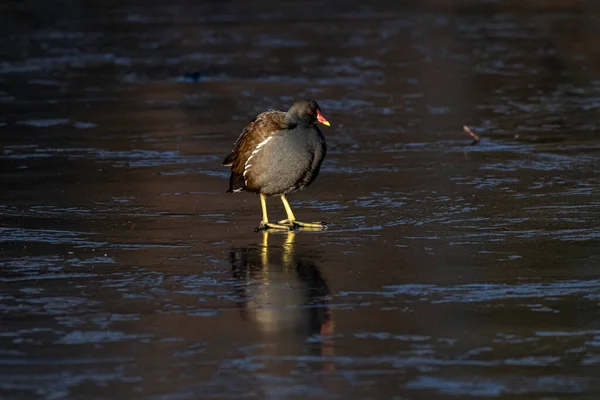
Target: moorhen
column 278, row 153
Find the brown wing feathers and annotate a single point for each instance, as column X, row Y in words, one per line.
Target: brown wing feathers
column 256, row 132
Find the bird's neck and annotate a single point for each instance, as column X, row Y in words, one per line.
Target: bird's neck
column 293, row 121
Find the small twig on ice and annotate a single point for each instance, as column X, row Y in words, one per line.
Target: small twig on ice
column 476, row 138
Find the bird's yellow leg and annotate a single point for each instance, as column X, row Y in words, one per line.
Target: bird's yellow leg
column 291, row 219
column 288, row 211
column 265, row 224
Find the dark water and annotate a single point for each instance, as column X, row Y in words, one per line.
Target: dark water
column 448, row 270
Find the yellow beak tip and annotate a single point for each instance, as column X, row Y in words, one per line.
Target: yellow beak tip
column 326, row 123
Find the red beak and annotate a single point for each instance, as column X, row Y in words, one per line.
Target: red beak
column 322, row 119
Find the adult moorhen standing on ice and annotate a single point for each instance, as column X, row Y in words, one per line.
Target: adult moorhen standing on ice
column 278, row 153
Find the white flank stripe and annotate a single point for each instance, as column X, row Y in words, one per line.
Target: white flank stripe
column 247, row 165
column 261, row 144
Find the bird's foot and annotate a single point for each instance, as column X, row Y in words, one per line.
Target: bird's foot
column 310, row 225
column 269, row 225
column 306, row 225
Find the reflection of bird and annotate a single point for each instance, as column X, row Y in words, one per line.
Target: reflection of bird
column 279, row 153
column 286, row 299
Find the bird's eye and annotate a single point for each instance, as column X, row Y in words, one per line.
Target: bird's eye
column 310, row 112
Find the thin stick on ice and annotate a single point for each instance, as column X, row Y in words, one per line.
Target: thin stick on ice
column 476, row 138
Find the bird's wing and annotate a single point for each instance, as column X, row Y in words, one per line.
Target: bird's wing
column 256, row 132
